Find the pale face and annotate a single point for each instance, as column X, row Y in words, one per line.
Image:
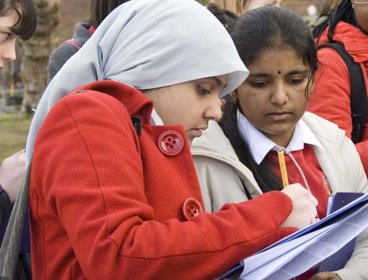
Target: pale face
column 191, row 104
column 273, row 96
column 361, row 13
column 7, row 38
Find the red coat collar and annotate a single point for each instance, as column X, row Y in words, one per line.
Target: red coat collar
column 134, row 100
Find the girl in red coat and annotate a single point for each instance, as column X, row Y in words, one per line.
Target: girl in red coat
column 114, row 193
column 331, row 98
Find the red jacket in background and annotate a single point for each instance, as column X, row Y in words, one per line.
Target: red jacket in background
column 107, row 204
column 331, row 96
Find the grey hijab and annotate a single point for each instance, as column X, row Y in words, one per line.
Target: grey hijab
column 148, row 44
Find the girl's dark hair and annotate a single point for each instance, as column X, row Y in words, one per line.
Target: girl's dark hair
column 100, row 9
column 258, row 30
column 26, row 11
column 226, row 17
column 343, row 12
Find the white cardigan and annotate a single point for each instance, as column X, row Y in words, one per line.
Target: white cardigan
column 221, row 175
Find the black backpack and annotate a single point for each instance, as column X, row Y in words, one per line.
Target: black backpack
column 358, row 91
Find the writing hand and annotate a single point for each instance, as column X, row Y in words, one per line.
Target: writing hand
column 304, row 207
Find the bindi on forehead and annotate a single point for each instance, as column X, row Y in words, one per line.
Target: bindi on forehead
column 279, row 72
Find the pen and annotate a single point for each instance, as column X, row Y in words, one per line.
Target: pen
column 284, row 177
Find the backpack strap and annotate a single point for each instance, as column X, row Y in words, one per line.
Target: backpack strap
column 358, row 92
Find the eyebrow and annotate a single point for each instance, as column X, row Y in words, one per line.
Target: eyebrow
column 306, row 71
column 6, row 28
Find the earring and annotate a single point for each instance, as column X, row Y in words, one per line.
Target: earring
column 234, row 96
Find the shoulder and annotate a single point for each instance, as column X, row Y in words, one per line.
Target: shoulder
column 329, row 57
column 82, row 33
column 212, row 142
column 96, row 102
column 58, row 58
column 67, row 47
column 323, row 128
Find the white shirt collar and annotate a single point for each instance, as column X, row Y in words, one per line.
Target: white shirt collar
column 155, row 118
column 259, row 145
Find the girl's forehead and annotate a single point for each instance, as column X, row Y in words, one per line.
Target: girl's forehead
column 277, row 57
column 9, row 19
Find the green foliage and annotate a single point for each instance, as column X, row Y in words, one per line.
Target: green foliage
column 13, row 134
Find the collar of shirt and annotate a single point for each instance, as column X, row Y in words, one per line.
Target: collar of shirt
column 259, row 145
column 155, row 118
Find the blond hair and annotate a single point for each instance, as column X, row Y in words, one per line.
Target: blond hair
column 328, row 5
column 235, row 6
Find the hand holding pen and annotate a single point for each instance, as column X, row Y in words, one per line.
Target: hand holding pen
column 304, row 207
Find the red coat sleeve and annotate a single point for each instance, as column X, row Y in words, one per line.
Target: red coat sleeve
column 89, row 211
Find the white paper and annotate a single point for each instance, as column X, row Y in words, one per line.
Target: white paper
column 303, row 250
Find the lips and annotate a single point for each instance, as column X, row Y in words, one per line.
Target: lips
column 197, row 132
column 279, row 116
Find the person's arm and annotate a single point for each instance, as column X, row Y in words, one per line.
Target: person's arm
column 219, row 183
column 330, row 98
column 362, row 148
column 58, row 58
column 12, row 173
column 5, row 205
column 108, row 219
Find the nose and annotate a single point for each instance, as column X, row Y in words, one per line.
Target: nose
column 213, row 111
column 279, row 95
column 8, row 53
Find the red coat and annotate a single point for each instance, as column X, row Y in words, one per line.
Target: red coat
column 107, row 204
column 331, row 96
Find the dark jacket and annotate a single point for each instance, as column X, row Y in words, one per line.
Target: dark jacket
column 67, row 49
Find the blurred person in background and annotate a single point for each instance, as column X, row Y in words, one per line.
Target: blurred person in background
column 240, row 6
column 99, row 9
column 331, row 97
column 18, row 19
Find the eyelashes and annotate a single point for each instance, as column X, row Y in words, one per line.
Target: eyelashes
column 202, row 91
column 4, row 36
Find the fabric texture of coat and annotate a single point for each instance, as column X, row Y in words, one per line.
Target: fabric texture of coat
column 222, row 175
column 331, row 96
column 109, row 204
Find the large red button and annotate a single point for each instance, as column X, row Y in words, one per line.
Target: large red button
column 191, row 208
column 170, row 143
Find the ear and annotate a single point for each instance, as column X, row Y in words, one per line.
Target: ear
column 309, row 88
